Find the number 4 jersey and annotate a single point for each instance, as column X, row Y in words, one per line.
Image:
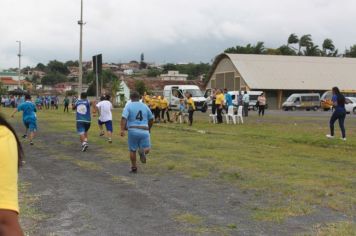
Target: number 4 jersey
column 137, row 114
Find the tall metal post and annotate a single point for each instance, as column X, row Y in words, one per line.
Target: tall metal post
column 81, row 23
column 19, row 72
column 97, row 78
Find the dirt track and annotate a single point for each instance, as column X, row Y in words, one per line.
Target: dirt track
column 84, row 194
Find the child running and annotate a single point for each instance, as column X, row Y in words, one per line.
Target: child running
column 104, row 107
column 28, row 117
column 137, row 118
column 83, row 118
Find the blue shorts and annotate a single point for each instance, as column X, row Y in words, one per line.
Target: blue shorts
column 82, row 127
column 31, row 124
column 108, row 125
column 138, row 139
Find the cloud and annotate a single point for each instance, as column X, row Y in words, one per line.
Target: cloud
column 166, row 30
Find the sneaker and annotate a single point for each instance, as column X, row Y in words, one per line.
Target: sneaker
column 329, row 136
column 109, row 140
column 85, row 147
column 24, row 136
column 101, row 134
column 343, row 139
column 133, row 170
column 31, row 143
column 142, row 154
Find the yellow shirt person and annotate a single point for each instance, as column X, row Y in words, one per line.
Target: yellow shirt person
column 190, row 104
column 220, row 99
column 8, row 170
column 153, row 103
column 164, row 103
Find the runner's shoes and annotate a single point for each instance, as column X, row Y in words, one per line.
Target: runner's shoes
column 133, row 170
column 24, row 136
column 109, row 140
column 101, row 134
column 142, row 154
column 31, row 143
column 329, row 136
column 84, row 146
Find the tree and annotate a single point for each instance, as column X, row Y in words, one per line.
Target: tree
column 259, row 48
column 140, row 87
column 312, row 50
column 285, row 50
column 40, row 67
column 305, row 41
column 115, row 89
column 154, row 72
column 53, row 78
column 292, row 39
column 351, row 52
column 329, row 48
column 71, row 64
column 57, row 66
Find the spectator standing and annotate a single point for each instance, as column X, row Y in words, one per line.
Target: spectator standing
column 190, row 107
column 261, row 104
column 164, row 109
column 213, row 100
column 246, row 103
column 228, row 100
column 219, row 105
column 338, row 114
column 66, row 104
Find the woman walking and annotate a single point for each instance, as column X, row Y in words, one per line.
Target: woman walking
column 10, row 160
column 261, row 104
column 338, row 114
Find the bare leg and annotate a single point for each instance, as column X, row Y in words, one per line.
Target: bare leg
column 133, row 159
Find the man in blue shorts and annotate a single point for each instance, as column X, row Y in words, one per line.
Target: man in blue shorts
column 28, row 116
column 83, row 118
column 137, row 118
column 104, row 107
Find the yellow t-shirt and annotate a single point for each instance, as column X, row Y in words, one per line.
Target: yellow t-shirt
column 163, row 103
column 219, row 99
column 153, row 103
column 147, row 99
column 8, row 170
column 191, row 103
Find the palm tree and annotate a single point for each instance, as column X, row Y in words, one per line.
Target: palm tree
column 305, row 41
column 292, row 39
column 328, row 47
column 312, row 50
column 259, row 48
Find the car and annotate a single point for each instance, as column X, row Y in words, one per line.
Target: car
column 302, row 101
column 350, row 105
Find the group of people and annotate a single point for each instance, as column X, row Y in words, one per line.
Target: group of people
column 47, row 102
column 159, row 107
column 221, row 101
column 11, row 101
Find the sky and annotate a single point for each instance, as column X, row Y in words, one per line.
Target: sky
column 176, row 31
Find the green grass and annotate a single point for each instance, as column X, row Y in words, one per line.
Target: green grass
column 286, row 160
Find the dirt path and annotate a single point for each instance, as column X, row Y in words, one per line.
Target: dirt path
column 85, row 194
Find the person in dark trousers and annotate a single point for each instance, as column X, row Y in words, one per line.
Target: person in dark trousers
column 213, row 99
column 219, row 105
column 246, row 103
column 261, row 100
column 66, row 104
column 191, row 108
column 338, row 114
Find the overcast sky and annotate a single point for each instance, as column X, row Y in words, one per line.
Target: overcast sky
column 165, row 30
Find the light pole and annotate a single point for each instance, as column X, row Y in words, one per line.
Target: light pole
column 80, row 23
column 19, row 55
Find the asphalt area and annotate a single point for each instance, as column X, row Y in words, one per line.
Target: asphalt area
column 71, row 196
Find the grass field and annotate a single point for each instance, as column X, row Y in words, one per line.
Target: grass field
column 285, row 161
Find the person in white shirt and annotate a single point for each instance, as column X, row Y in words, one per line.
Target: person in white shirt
column 104, row 108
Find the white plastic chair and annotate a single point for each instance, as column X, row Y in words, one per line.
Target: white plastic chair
column 239, row 117
column 183, row 117
column 213, row 118
column 230, row 115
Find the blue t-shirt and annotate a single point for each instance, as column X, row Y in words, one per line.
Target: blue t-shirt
column 137, row 114
column 340, row 102
column 28, row 109
column 228, row 99
column 83, row 111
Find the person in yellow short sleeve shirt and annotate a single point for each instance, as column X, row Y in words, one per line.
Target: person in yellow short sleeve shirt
column 219, row 102
column 190, row 107
column 9, row 159
column 164, row 109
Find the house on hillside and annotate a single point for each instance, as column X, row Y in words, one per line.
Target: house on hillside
column 174, row 76
column 154, row 86
column 281, row 76
column 10, row 84
column 9, row 74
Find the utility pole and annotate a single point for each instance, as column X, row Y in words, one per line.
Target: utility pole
column 80, row 23
column 19, row 55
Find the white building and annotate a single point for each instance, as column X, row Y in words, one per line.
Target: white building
column 174, row 76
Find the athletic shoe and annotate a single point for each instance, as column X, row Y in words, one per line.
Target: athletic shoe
column 101, row 134
column 142, row 154
column 85, row 147
column 109, row 140
column 31, row 143
column 343, row 139
column 24, row 136
column 330, row 136
column 133, row 170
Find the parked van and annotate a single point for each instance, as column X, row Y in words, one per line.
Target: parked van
column 174, row 93
column 302, row 101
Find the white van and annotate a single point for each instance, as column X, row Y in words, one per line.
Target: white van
column 302, row 101
column 174, row 93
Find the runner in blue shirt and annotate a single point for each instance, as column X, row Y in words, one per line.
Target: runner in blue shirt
column 83, row 119
column 28, row 116
column 137, row 118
